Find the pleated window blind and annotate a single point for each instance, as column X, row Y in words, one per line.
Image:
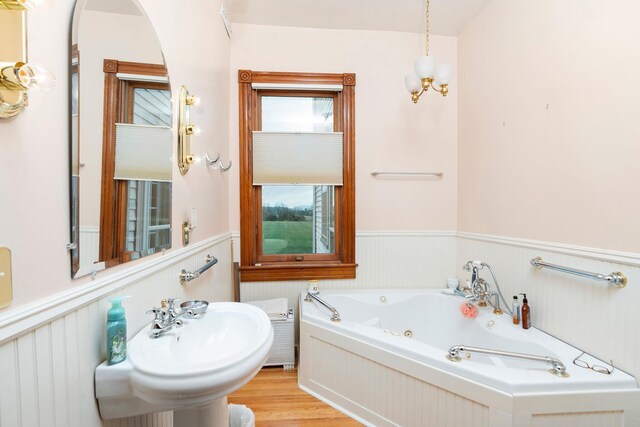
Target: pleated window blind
column 286, row 158
column 143, row 152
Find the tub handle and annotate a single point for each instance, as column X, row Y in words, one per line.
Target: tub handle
column 335, row 316
column 557, row 367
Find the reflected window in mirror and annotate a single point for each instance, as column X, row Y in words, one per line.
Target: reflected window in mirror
column 136, row 173
column 148, row 225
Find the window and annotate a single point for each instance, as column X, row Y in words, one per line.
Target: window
column 297, row 179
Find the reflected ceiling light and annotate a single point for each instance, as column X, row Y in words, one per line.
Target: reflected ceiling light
column 427, row 75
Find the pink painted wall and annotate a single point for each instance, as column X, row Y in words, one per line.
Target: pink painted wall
column 34, row 147
column 548, row 122
column 392, row 134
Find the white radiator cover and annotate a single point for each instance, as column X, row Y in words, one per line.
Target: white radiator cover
column 283, row 350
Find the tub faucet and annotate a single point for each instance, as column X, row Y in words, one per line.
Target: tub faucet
column 481, row 290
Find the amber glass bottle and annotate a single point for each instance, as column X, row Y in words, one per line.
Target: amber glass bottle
column 525, row 313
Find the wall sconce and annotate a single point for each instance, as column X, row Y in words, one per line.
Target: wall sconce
column 16, row 76
column 186, row 129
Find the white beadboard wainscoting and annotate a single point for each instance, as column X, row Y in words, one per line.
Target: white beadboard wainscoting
column 591, row 315
column 343, row 377
column 587, row 314
column 89, row 244
column 50, row 349
column 386, row 260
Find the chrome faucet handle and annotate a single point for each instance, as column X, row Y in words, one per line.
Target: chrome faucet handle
column 169, row 303
column 473, row 264
column 172, row 314
column 157, row 312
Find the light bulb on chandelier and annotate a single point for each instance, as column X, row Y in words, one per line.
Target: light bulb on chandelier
column 427, row 75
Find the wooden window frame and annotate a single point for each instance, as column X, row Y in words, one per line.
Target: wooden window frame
column 254, row 266
column 113, row 201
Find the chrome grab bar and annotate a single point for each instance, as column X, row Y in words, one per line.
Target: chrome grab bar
column 616, row 278
column 335, row 316
column 187, row 276
column 557, row 367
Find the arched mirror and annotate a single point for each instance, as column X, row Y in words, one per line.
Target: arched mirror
column 120, row 137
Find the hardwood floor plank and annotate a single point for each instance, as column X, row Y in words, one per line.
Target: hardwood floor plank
column 275, row 399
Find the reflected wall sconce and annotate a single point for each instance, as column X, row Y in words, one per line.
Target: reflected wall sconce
column 186, row 129
column 16, row 76
column 217, row 162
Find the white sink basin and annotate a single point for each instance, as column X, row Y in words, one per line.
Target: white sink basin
column 187, row 367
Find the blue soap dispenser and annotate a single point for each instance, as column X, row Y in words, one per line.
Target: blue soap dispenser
column 116, row 332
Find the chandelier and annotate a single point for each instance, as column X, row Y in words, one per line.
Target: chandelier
column 426, row 74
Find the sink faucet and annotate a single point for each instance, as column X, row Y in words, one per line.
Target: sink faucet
column 481, row 290
column 165, row 318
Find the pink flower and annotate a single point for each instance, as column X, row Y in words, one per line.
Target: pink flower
column 469, row 310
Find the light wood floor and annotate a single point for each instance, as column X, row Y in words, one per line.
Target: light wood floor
column 275, row 399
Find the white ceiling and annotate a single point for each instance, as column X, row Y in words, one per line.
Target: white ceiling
column 448, row 17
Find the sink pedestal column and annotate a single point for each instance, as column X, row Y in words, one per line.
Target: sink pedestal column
column 215, row 414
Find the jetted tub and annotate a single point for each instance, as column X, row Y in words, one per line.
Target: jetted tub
column 385, row 363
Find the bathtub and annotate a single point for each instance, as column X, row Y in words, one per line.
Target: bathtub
column 385, row 363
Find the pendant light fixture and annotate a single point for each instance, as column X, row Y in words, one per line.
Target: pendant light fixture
column 426, row 74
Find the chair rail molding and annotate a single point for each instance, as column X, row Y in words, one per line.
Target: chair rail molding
column 25, row 318
column 627, row 258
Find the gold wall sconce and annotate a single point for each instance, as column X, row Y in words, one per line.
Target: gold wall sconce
column 186, row 129
column 17, row 77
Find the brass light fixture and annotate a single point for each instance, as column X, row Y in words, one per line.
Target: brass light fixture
column 186, row 129
column 18, row 4
column 426, row 74
column 16, row 76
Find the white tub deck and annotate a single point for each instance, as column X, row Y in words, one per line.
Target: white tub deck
column 367, row 367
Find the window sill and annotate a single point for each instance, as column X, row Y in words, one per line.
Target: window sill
column 296, row 271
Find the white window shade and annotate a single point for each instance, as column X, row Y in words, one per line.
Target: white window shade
column 143, row 152
column 311, row 158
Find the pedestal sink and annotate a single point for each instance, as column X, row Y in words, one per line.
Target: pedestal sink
column 190, row 370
